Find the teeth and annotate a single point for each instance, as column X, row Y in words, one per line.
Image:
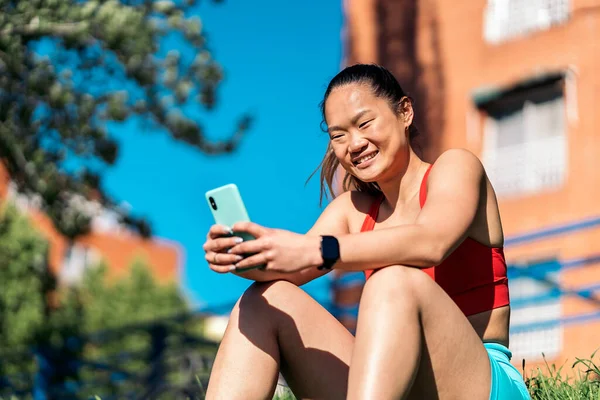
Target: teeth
column 366, row 158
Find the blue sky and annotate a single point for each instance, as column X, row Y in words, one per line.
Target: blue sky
column 278, row 58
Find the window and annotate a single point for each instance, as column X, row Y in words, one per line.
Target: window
column 506, row 19
column 535, row 311
column 525, row 141
column 77, row 259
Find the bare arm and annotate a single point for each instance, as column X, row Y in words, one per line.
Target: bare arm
column 332, row 221
column 452, row 200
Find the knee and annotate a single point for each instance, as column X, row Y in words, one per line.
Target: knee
column 263, row 306
column 396, row 282
column 262, row 296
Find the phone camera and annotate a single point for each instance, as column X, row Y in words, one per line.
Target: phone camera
column 213, row 203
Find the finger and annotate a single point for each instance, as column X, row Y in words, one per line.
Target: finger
column 249, row 247
column 221, row 259
column 216, row 231
column 219, row 245
column 219, row 264
column 222, row 269
column 252, row 228
column 252, row 261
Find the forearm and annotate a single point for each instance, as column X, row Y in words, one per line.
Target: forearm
column 412, row 245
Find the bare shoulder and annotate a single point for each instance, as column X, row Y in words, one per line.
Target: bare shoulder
column 353, row 205
column 459, row 157
column 336, row 218
column 456, row 163
column 360, row 206
column 350, row 201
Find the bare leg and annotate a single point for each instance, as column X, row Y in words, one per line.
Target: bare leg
column 277, row 326
column 412, row 341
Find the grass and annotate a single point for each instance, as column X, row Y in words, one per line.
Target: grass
column 552, row 383
column 284, row 394
column 555, row 384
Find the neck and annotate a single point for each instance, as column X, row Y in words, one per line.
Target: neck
column 401, row 189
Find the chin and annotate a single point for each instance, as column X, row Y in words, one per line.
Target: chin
column 368, row 177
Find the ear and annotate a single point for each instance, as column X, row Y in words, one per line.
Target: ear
column 406, row 110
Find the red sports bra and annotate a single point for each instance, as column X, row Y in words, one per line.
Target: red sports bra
column 474, row 275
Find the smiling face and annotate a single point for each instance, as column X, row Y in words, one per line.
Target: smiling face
column 368, row 136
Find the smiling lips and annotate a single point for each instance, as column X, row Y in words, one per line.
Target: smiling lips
column 363, row 160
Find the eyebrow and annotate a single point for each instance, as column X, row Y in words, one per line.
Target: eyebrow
column 352, row 122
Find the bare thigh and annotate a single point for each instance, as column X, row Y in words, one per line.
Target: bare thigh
column 314, row 347
column 452, row 362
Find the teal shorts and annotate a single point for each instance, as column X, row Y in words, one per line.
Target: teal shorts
column 507, row 382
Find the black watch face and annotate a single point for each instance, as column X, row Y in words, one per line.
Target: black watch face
column 330, row 248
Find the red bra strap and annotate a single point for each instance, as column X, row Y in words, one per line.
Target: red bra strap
column 370, row 219
column 423, row 191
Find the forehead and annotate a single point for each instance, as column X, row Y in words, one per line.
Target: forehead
column 345, row 101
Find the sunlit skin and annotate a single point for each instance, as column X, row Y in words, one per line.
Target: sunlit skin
column 373, row 128
column 412, row 341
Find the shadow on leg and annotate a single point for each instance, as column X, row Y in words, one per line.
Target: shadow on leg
column 276, row 326
column 413, row 342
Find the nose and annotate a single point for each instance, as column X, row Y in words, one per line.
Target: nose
column 357, row 144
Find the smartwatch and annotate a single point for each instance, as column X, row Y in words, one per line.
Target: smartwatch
column 330, row 251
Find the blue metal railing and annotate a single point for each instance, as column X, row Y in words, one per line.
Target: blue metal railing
column 540, row 272
column 170, row 347
column 552, row 231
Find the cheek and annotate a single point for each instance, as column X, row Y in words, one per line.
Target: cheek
column 381, row 134
column 393, row 140
column 339, row 151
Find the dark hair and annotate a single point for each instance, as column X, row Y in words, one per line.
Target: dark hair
column 384, row 85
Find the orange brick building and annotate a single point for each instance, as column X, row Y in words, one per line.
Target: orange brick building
column 518, row 83
column 107, row 242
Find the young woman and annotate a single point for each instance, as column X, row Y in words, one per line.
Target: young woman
column 434, row 314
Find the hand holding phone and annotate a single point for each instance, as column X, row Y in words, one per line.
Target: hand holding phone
column 227, row 208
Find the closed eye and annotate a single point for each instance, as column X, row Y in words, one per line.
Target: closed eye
column 364, row 124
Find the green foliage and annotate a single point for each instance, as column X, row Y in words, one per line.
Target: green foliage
column 23, row 260
column 555, row 384
column 103, row 61
column 284, row 394
column 116, row 322
column 112, row 323
column 135, row 299
column 23, row 283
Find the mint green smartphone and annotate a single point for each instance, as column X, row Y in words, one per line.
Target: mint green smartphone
column 228, row 208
